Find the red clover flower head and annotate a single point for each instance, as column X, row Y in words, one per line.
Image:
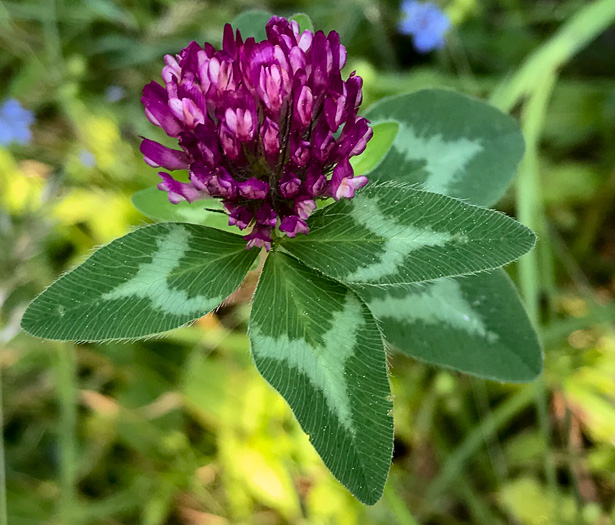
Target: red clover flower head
column 259, row 124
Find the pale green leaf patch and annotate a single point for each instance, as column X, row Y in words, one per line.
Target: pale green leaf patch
column 252, row 23
column 323, row 367
column 401, row 239
column 474, row 324
column 392, row 234
column 304, row 21
column 155, row 204
column 443, row 161
column 436, row 303
column 318, row 345
column 152, row 280
column 377, row 148
column 449, row 143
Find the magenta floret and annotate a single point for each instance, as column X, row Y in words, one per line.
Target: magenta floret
column 258, row 124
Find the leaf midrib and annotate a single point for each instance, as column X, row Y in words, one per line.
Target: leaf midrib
column 384, row 240
column 290, row 284
column 171, row 274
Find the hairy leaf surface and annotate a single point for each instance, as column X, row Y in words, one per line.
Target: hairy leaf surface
column 152, row 280
column 392, row 234
column 474, row 324
column 449, row 143
column 318, row 345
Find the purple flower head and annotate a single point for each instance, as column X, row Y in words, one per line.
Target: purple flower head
column 15, row 123
column 426, row 23
column 268, row 127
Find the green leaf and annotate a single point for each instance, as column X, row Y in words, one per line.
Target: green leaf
column 449, row 143
column 304, row 21
column 252, row 23
column 391, row 234
column 483, row 328
column 474, row 324
column 152, row 280
column 377, row 148
column 208, row 212
column 318, row 345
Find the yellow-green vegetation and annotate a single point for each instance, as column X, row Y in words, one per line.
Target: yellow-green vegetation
column 182, row 429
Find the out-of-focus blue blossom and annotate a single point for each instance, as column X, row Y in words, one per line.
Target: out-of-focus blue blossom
column 114, row 93
column 427, row 24
column 15, row 123
column 87, row 158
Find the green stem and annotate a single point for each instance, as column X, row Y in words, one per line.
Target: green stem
column 492, row 443
column 580, row 30
column 529, row 201
column 464, row 489
column 379, row 33
column 396, row 503
column 530, row 212
column 455, row 463
column 66, row 372
column 52, row 41
column 3, row 501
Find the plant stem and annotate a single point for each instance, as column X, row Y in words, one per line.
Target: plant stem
column 396, row 503
column 3, row 501
column 580, row 30
column 529, row 200
column 53, row 39
column 530, row 212
column 474, row 440
column 66, row 371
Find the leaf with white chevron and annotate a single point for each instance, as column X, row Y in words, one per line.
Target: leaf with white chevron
column 318, row 345
column 392, row 234
column 449, row 143
column 152, row 280
column 474, row 324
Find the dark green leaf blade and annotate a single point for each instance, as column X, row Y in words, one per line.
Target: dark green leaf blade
column 474, row 324
column 391, row 234
column 318, row 345
column 482, row 326
column 152, row 280
column 449, row 143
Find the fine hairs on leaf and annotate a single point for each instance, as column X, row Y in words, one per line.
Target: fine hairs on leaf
column 324, row 388
column 410, row 262
column 153, row 279
column 391, row 235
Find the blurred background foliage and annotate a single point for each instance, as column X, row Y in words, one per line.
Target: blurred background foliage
column 181, row 429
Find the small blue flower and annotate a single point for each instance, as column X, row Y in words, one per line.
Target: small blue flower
column 15, row 123
column 87, row 158
column 114, row 93
column 426, row 23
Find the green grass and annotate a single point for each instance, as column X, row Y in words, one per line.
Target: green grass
column 182, row 428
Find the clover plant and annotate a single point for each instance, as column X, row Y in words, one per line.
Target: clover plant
column 374, row 228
